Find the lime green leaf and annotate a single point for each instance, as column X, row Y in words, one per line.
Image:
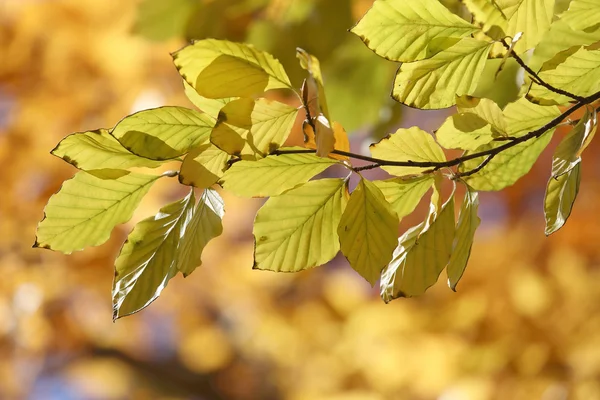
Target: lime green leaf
column 523, row 116
column 568, row 153
column 468, row 221
column 253, row 127
column 203, row 166
column 412, row 144
column 210, row 106
column 582, row 14
column 161, row 20
column 485, row 109
column 532, row 17
column 219, row 69
column 487, row 13
column 98, row 150
column 311, row 64
column 404, row 194
column 163, row 133
column 368, row 231
column 433, row 83
column 507, row 166
column 298, row 230
column 324, row 136
column 148, row 258
column 401, row 30
column 204, row 226
column 578, row 74
column 464, row 131
column 273, row 175
column 89, row 206
column 560, row 37
column 560, row 196
column 422, row 253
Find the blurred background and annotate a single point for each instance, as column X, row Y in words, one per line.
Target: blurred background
column 524, row 324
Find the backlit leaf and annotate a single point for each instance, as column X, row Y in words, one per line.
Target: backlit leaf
column 148, row 259
column 568, row 152
column 532, row 17
column 298, row 230
column 219, row 69
column 561, row 193
column 99, row 150
column 468, row 221
column 486, row 13
column 208, row 106
column 578, row 74
column 434, row 83
column 523, row 116
column 89, row 206
column 311, row 64
column 422, row 253
column 203, row 166
column 253, row 127
column 402, row 30
column 404, row 194
column 340, row 138
column 464, row 131
column 204, row 226
column 582, row 14
column 368, row 231
column 273, row 175
column 163, row 133
column 412, row 144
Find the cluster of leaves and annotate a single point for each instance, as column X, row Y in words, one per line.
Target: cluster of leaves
column 236, row 142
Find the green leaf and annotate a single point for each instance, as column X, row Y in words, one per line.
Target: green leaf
column 219, row 69
column 568, row 152
column 412, row 144
column 203, row 166
column 560, row 37
column 507, row 166
column 161, row 20
column 434, row 83
column 533, row 17
column 298, row 230
column 273, row 175
column 401, row 30
column 578, row 74
column 422, row 253
column 99, row 150
column 485, row 109
column 487, row 13
column 89, row 206
column 204, row 226
column 404, row 194
column 368, row 231
column 468, row 221
column 211, row 107
column 163, row 133
column 253, row 127
column 148, row 259
column 561, row 193
column 523, row 116
column 582, row 14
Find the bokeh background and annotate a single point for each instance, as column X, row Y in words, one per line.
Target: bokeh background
column 524, row 324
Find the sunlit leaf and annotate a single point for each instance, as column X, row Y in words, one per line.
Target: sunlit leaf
column 99, row 150
column 523, row 116
column 578, row 74
column 434, row 83
column 402, row 30
column 582, row 14
column 468, row 221
column 203, row 166
column 298, row 230
column 204, row 226
column 89, row 206
column 568, row 152
column 273, row 175
column 219, row 69
column 404, row 194
column 464, row 131
column 422, row 253
column 209, row 106
column 253, row 127
column 368, row 231
column 533, row 17
column 485, row 109
column 561, row 193
column 412, row 144
column 148, row 259
column 487, row 13
column 311, row 64
column 163, row 133
column 336, row 134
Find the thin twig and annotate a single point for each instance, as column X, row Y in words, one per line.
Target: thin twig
column 474, row 170
column 536, row 78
